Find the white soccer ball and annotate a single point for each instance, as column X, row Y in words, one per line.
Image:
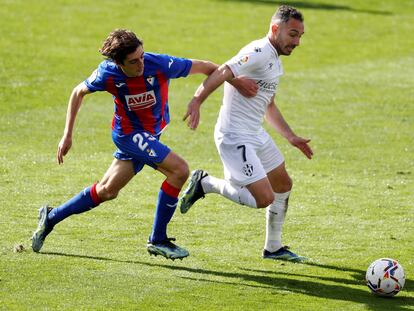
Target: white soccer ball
column 385, row 277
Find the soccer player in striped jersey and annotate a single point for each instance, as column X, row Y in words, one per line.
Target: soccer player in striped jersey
column 138, row 82
column 254, row 168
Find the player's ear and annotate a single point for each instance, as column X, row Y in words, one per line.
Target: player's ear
column 274, row 27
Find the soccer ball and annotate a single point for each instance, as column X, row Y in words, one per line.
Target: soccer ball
column 385, row 277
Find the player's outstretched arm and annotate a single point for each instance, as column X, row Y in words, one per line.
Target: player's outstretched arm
column 202, row 66
column 275, row 119
column 74, row 104
column 245, row 86
column 212, row 82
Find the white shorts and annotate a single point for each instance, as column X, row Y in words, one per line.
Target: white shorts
column 247, row 158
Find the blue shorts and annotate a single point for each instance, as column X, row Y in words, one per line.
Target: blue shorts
column 141, row 148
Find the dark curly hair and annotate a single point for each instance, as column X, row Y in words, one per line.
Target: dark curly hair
column 119, row 44
column 284, row 12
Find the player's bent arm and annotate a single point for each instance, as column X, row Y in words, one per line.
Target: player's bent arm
column 246, row 87
column 202, row 66
column 213, row 81
column 275, row 119
column 74, row 104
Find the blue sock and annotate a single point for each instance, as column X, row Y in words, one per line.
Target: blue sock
column 82, row 202
column 166, row 205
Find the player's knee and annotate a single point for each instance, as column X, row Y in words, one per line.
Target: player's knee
column 179, row 175
column 106, row 193
column 182, row 172
column 265, row 200
column 286, row 185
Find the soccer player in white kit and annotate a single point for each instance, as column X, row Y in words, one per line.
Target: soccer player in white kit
column 254, row 168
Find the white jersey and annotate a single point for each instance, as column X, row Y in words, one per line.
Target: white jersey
column 260, row 62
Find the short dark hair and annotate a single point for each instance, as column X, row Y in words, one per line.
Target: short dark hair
column 284, row 12
column 119, row 44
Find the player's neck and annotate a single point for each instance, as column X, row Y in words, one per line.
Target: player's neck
column 272, row 41
column 126, row 73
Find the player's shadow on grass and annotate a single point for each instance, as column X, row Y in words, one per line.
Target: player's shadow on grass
column 358, row 278
column 313, row 5
column 356, row 273
column 337, row 289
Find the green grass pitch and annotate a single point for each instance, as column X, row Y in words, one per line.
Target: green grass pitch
column 348, row 87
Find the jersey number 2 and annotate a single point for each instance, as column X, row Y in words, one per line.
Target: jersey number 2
column 139, row 140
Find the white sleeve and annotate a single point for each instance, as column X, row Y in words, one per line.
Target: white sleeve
column 244, row 63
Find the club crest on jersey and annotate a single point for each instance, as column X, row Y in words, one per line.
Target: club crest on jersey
column 243, row 60
column 150, row 80
column 140, row 101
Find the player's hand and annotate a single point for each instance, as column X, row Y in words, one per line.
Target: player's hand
column 193, row 114
column 245, row 86
column 302, row 144
column 63, row 148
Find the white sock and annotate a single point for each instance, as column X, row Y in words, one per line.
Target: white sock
column 232, row 192
column 275, row 217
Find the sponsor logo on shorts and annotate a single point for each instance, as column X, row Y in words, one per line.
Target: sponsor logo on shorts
column 140, row 101
column 248, row 169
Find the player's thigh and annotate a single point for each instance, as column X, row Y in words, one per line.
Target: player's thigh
column 268, row 153
column 141, row 147
column 117, row 176
column 241, row 164
column 280, row 179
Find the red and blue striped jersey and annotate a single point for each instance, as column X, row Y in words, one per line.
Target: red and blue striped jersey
column 141, row 103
